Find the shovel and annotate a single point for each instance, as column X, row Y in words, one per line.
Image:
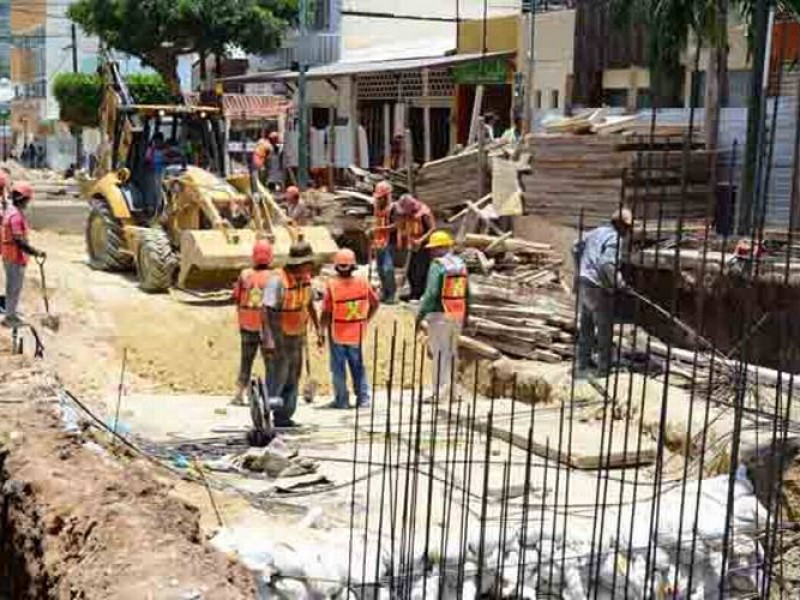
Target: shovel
column 311, row 385
column 49, row 320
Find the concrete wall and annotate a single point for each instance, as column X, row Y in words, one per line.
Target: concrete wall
column 554, row 45
column 370, row 38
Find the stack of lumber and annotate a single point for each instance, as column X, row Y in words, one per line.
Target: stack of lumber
column 596, row 172
column 515, row 298
column 447, row 183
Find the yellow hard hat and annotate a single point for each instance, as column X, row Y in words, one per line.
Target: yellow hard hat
column 440, row 239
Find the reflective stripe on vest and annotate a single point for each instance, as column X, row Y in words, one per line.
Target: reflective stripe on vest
column 251, row 298
column 380, row 237
column 350, row 299
column 454, row 287
column 294, row 310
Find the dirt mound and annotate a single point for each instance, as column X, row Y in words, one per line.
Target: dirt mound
column 79, row 525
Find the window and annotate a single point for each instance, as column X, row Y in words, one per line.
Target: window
column 554, row 99
column 538, row 103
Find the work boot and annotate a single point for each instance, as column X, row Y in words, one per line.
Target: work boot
column 336, row 406
column 238, row 398
column 11, row 321
column 364, row 403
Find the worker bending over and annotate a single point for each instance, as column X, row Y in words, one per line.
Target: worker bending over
column 445, row 306
column 384, row 239
column 296, row 208
column 417, row 223
column 288, row 307
column 349, row 303
column 597, row 259
column 249, row 297
column 16, row 249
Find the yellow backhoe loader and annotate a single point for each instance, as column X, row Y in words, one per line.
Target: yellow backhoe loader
column 164, row 205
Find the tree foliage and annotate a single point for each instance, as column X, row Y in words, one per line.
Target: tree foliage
column 80, row 95
column 159, row 31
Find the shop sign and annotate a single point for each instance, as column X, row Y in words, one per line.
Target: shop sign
column 491, row 71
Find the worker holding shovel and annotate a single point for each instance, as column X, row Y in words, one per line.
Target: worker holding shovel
column 16, row 249
column 348, row 305
column 597, row 263
column 288, row 308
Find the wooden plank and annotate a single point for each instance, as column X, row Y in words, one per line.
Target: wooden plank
column 586, row 451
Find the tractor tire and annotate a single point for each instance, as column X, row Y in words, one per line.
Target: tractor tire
column 156, row 262
column 105, row 240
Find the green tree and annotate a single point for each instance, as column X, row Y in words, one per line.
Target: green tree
column 159, row 31
column 80, row 95
column 670, row 26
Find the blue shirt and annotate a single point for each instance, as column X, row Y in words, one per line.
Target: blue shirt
column 597, row 255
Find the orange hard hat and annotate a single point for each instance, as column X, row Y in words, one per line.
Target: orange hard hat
column 382, row 189
column 344, row 258
column 292, row 192
column 262, row 253
column 22, row 189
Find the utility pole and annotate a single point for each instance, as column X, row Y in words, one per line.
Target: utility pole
column 753, row 153
column 78, row 129
column 302, row 108
column 530, row 109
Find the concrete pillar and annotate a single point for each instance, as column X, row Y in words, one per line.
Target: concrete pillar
column 426, row 113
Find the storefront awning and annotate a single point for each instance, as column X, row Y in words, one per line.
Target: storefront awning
column 248, row 106
column 342, row 69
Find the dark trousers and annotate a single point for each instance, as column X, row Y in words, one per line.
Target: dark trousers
column 251, row 345
column 284, row 376
column 384, row 259
column 418, row 267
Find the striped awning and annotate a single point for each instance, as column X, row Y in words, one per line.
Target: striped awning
column 248, row 107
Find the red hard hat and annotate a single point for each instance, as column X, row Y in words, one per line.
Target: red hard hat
column 292, row 192
column 344, row 258
column 22, row 189
column 383, row 189
column 262, row 253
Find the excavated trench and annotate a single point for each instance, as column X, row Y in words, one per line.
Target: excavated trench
column 22, row 568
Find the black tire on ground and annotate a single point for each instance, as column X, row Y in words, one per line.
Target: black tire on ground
column 105, row 240
column 156, row 263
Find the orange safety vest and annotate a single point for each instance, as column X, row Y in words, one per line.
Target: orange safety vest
column 250, row 290
column 350, row 299
column 412, row 226
column 380, row 238
column 296, row 297
column 454, row 287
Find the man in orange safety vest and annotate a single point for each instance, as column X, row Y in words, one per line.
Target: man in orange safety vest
column 349, row 303
column 249, row 297
column 288, row 309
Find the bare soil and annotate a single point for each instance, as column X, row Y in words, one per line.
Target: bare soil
column 172, row 343
column 79, row 523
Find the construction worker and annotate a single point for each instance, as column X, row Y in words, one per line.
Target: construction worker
column 445, row 306
column 288, row 307
column 597, row 259
column 384, row 239
column 296, row 208
column 16, row 249
column 275, row 167
column 249, row 297
column 349, row 303
column 416, row 224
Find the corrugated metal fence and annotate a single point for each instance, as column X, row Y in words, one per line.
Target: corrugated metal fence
column 733, row 128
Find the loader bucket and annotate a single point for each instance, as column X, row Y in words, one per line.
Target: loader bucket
column 213, row 258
